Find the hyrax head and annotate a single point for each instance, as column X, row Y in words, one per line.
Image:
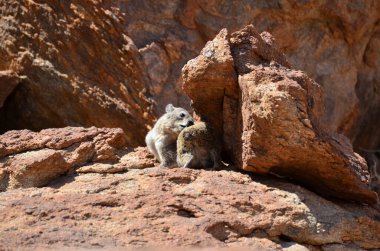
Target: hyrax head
column 178, row 118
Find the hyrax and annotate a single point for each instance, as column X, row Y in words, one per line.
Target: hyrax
column 197, row 148
column 162, row 139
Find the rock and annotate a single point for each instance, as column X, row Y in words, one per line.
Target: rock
column 336, row 44
column 365, row 134
column 270, row 120
column 137, row 158
column 78, row 68
column 34, row 168
column 373, row 161
column 8, row 82
column 212, row 71
column 249, row 48
column 29, row 159
column 157, row 66
column 340, row 247
column 181, row 208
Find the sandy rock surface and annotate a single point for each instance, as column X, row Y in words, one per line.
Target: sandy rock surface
column 180, row 207
column 85, row 200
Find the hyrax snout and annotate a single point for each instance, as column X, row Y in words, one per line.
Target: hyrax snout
column 197, row 148
column 161, row 140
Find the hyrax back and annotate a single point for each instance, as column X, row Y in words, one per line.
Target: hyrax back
column 197, row 148
column 162, row 139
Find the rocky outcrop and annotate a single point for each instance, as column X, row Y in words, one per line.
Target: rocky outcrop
column 74, row 65
column 181, row 207
column 30, row 159
column 334, row 42
column 269, row 116
column 140, row 205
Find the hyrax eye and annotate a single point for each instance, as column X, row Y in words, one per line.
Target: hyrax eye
column 182, row 114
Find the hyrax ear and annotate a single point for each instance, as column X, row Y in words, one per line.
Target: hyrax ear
column 169, row 108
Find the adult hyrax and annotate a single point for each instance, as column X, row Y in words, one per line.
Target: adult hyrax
column 197, row 148
column 162, row 139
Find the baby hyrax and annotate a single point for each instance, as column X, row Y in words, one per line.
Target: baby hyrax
column 162, row 139
column 197, row 148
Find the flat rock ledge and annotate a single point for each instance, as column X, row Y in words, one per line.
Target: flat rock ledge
column 179, row 207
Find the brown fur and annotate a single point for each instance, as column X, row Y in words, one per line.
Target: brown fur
column 196, row 147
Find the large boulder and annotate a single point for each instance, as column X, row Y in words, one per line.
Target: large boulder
column 74, row 65
column 269, row 116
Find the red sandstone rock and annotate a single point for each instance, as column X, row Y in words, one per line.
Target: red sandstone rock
column 77, row 67
column 334, row 42
column 270, row 120
column 155, row 206
column 29, row 159
column 137, row 158
column 158, row 207
column 213, row 70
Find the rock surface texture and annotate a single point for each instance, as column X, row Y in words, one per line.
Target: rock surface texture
column 268, row 115
column 181, row 207
column 117, row 64
column 73, row 65
column 29, row 159
column 334, row 42
column 117, row 197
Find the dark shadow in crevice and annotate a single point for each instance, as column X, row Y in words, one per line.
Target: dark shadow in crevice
column 23, row 110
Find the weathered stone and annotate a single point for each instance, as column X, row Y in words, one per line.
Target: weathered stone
column 29, row 159
column 373, row 161
column 78, row 68
column 137, row 158
column 249, row 48
column 8, row 82
column 270, row 121
column 336, row 44
column 34, row 168
column 212, row 72
column 281, row 134
column 181, row 208
column 157, row 66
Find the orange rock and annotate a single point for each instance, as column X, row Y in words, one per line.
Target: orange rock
column 180, row 207
column 78, row 68
column 270, row 120
column 29, row 159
